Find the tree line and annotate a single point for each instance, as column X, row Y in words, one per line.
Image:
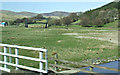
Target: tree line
column 87, row 19
column 29, row 20
column 97, row 18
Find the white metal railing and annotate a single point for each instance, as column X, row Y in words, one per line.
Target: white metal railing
column 42, row 69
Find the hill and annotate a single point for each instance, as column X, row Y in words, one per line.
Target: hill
column 56, row 13
column 11, row 15
column 7, row 17
column 109, row 6
column 28, row 14
column 105, row 14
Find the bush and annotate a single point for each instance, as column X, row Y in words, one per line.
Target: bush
column 11, row 23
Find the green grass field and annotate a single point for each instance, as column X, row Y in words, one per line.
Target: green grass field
column 73, row 44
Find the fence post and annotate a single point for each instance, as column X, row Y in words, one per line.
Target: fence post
column 41, row 63
column 91, row 68
column 5, row 57
column 46, row 61
column 16, row 59
column 10, row 60
column 56, row 62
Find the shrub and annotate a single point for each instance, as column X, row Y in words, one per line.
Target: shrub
column 11, row 23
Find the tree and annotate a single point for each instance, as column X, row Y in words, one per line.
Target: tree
column 50, row 21
column 23, row 20
column 58, row 22
column 85, row 21
column 98, row 22
column 38, row 17
column 73, row 17
column 66, row 21
column 18, row 21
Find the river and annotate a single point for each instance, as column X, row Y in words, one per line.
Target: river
column 113, row 64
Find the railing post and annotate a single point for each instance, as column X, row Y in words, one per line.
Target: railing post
column 5, row 57
column 56, row 62
column 91, row 68
column 46, row 64
column 10, row 60
column 16, row 59
column 41, row 63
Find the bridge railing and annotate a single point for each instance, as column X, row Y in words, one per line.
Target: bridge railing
column 42, row 58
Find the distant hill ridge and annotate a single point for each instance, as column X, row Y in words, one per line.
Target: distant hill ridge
column 57, row 13
column 30, row 14
column 9, row 15
column 7, row 12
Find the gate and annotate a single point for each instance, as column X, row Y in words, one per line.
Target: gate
column 42, row 58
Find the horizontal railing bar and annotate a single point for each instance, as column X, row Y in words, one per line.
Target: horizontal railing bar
column 69, row 62
column 108, row 68
column 72, row 68
column 23, row 57
column 77, row 63
column 24, row 47
column 5, row 69
column 24, row 67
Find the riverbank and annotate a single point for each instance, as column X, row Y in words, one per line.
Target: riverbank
column 112, row 64
column 101, row 61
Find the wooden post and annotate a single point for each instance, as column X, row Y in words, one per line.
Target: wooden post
column 16, row 59
column 10, row 60
column 91, row 68
column 5, row 57
column 56, row 62
column 41, row 63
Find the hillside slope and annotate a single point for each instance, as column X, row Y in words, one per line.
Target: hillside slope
column 105, row 14
column 109, row 6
